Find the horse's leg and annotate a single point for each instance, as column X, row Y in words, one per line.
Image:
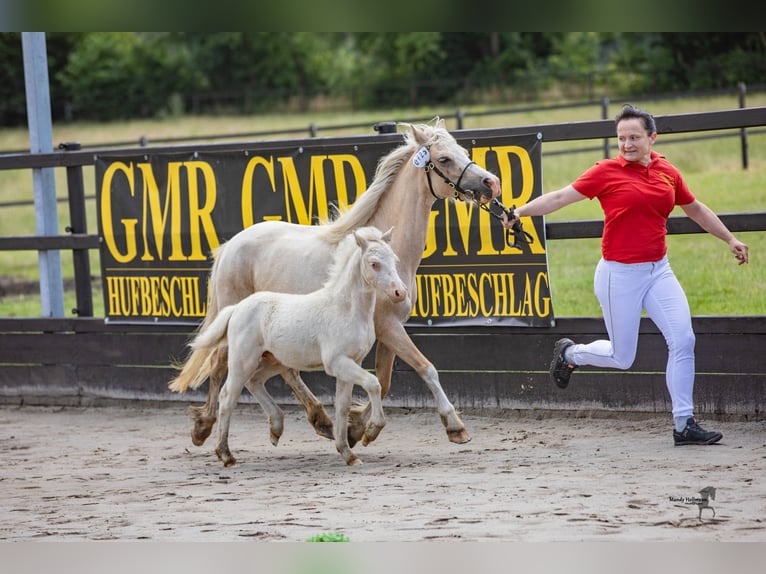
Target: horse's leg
column 360, row 415
column 257, row 387
column 204, row 417
column 315, row 410
column 230, row 392
column 398, row 341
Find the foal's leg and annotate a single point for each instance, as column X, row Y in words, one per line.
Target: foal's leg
column 343, row 393
column 370, row 384
column 257, row 387
column 315, row 410
column 360, row 415
column 399, row 343
column 204, row 417
column 347, row 374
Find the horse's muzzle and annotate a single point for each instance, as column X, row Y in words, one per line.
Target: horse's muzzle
column 491, row 189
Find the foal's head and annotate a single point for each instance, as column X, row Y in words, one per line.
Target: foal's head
column 378, row 262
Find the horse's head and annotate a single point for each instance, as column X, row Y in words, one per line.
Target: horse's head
column 449, row 168
column 379, row 261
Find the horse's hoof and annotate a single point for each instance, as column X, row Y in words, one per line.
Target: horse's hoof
column 458, row 436
column 203, row 426
column 354, row 461
column 322, row 423
column 325, row 430
column 199, row 435
column 274, row 439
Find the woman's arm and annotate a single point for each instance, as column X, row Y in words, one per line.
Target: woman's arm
column 703, row 216
column 546, row 203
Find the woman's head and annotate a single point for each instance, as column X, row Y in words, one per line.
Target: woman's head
column 636, row 134
column 631, row 112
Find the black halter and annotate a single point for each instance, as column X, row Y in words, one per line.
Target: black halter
column 431, row 167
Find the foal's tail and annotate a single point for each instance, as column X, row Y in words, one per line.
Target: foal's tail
column 199, row 363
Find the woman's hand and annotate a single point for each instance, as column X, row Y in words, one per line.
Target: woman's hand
column 739, row 250
column 508, row 223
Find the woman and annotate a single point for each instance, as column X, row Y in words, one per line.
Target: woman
column 637, row 191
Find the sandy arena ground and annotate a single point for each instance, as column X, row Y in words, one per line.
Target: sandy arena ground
column 131, row 473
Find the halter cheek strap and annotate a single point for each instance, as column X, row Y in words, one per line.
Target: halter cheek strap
column 431, row 167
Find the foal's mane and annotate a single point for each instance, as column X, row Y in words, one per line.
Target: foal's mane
column 388, row 168
column 345, row 261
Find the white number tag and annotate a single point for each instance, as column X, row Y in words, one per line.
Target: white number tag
column 422, row 157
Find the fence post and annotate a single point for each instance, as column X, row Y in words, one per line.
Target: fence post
column 385, row 127
column 78, row 224
column 460, row 115
column 742, row 89
column 43, row 179
column 605, row 116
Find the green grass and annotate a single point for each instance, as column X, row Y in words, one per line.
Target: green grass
column 713, row 282
column 329, row 537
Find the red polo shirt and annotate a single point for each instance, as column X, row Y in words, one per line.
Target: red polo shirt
column 637, row 201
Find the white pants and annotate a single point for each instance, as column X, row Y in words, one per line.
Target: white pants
column 624, row 290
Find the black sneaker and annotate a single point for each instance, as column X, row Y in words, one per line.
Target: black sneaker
column 561, row 369
column 695, row 434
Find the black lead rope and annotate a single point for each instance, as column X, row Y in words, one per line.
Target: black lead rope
column 515, row 237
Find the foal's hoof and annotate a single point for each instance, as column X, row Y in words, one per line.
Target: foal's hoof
column 355, row 432
column 226, row 457
column 458, row 436
column 353, row 461
column 371, row 433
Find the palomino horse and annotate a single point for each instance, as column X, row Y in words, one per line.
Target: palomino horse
column 331, row 329
column 285, row 257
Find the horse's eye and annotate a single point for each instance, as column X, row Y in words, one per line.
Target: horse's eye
column 376, row 265
column 444, row 159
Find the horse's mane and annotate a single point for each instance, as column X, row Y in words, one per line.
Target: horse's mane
column 385, row 174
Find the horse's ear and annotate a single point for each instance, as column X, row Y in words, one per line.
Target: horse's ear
column 440, row 124
column 418, row 134
column 387, row 235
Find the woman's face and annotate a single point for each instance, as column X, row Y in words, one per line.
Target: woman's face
column 634, row 143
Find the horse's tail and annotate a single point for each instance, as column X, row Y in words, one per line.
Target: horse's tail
column 199, row 363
